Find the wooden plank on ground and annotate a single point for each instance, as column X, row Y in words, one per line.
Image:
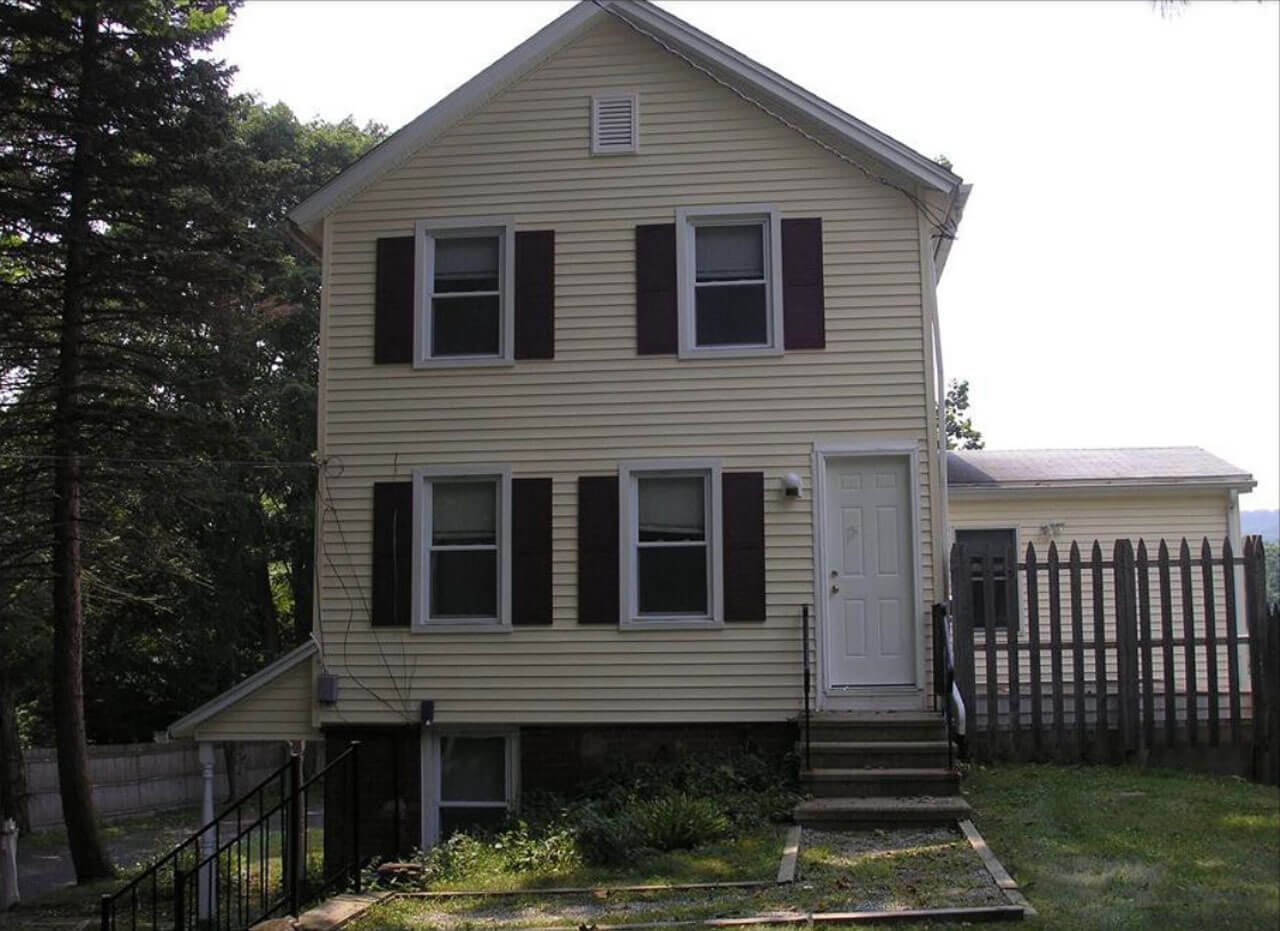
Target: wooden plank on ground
column 790, row 853
column 999, row 874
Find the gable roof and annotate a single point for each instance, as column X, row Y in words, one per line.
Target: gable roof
column 307, row 217
column 184, row 726
column 980, row 469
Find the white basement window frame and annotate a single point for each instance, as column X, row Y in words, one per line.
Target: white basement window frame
column 437, row 798
column 768, row 280
column 425, row 481
column 631, row 476
column 427, row 235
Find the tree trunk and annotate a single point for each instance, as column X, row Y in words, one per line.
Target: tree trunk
column 13, row 774
column 87, row 851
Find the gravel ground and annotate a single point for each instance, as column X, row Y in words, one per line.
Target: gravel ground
column 838, row 871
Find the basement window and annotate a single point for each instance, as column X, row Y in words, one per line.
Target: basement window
column 471, row 778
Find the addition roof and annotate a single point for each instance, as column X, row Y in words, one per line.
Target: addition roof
column 982, row 469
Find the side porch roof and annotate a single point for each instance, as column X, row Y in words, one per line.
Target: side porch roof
column 275, row 703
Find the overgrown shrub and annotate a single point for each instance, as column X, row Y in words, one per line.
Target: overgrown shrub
column 603, row 840
column 676, row 822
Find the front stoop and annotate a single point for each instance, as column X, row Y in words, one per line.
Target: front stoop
column 879, row 768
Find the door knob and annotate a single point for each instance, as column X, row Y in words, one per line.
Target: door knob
column 834, row 589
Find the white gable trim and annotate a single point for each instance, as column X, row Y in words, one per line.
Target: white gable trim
column 400, row 146
column 184, row 727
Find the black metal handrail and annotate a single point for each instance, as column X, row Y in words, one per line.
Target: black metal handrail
column 115, row 903
column 804, row 632
column 231, row 884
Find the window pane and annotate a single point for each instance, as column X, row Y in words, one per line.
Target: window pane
column 732, row 315
column 465, row 326
column 729, row 253
column 464, row 583
column 672, row 508
column 473, row 820
column 671, row 580
column 463, row 513
column 468, row 264
column 473, row 769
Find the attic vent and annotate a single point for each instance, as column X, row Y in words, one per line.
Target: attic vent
column 614, row 124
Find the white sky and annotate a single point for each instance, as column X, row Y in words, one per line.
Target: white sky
column 1117, row 277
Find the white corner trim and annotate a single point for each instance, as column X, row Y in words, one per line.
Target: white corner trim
column 687, row 218
column 185, row 726
column 402, row 144
column 424, row 277
column 629, row 618
column 419, row 610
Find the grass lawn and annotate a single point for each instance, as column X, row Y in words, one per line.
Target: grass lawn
column 1104, row 847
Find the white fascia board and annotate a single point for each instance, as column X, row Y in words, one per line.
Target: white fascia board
column 714, row 52
column 401, row 145
column 995, row 489
column 956, row 213
column 185, row 726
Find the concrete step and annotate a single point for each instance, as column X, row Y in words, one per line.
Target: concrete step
column 861, row 783
column 864, row 726
column 853, row 754
column 841, row 813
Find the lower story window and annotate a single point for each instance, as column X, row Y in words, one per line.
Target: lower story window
column 671, row 525
column 463, row 569
column 997, row 545
column 472, row 780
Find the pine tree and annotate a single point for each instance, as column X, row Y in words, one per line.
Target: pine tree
column 112, row 248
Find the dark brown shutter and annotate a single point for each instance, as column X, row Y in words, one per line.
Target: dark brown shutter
column 803, row 317
column 530, row 551
column 393, row 301
column 392, row 553
column 536, row 295
column 742, row 505
column 656, row 323
column 598, row 549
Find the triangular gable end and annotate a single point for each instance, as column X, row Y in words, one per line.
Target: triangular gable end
column 807, row 110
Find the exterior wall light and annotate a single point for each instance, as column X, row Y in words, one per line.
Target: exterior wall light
column 791, row 485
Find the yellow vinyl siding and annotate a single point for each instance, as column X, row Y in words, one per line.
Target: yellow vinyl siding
column 279, row 710
column 1107, row 517
column 525, row 155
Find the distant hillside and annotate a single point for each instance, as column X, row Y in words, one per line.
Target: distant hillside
column 1266, row 523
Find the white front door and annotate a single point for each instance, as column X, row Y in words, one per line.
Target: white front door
column 870, row 635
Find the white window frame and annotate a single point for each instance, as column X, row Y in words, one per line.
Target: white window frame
column 687, row 220
column 634, row 147
column 628, row 541
column 432, row 773
column 425, row 235
column 422, row 479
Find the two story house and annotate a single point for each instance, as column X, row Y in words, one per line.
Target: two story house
column 629, row 367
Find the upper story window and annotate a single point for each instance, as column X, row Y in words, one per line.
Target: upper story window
column 464, row 302
column 729, row 281
column 464, row 525
column 671, row 524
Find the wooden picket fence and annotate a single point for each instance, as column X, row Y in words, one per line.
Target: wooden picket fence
column 1129, row 658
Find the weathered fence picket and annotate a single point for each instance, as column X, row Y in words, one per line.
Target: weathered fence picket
column 1033, row 641
column 1109, row 662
